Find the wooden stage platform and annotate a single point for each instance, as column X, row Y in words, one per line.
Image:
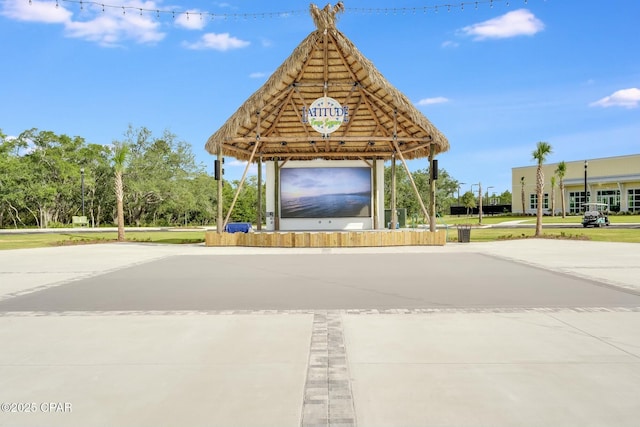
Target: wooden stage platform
column 327, row 239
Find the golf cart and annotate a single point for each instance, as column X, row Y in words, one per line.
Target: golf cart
column 595, row 214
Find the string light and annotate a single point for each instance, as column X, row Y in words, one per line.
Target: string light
column 245, row 16
column 435, row 8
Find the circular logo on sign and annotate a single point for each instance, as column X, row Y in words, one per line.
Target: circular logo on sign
column 325, row 115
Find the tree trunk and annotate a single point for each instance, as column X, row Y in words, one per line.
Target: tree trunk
column 562, row 197
column 539, row 188
column 120, row 206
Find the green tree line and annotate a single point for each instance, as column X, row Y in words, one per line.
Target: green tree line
column 42, row 175
column 447, row 191
column 45, row 177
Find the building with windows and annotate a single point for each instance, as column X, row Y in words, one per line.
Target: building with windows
column 611, row 180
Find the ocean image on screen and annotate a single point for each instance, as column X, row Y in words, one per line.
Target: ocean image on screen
column 325, row 192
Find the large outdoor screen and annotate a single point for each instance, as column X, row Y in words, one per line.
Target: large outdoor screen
column 325, row 192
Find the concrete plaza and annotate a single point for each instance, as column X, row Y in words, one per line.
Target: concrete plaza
column 527, row 332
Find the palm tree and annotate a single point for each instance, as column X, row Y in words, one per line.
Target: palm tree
column 120, row 153
column 553, row 195
column 543, row 149
column 522, row 193
column 561, row 171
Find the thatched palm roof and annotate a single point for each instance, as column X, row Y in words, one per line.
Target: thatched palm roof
column 326, row 63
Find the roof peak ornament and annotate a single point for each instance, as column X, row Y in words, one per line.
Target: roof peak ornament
column 325, row 18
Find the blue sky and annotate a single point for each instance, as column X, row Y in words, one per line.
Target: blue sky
column 494, row 79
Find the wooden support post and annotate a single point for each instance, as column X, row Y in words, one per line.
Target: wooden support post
column 413, row 183
column 244, row 175
column 259, row 219
column 276, row 195
column 432, row 191
column 394, row 215
column 219, row 224
column 374, row 169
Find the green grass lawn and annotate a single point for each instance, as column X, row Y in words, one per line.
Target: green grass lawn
column 39, row 240
column 496, row 219
column 596, row 234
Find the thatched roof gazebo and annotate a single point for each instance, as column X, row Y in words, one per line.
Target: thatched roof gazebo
column 381, row 123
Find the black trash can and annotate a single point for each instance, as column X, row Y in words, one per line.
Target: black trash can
column 464, row 233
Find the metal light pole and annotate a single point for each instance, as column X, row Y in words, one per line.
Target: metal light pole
column 459, row 185
column 473, row 185
column 488, row 193
column 586, row 200
column 480, row 197
column 82, row 185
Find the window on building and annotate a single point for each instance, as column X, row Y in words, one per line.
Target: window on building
column 634, row 199
column 533, row 201
column 610, row 197
column 576, row 201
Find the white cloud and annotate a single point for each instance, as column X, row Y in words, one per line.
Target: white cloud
column 40, row 11
column 257, row 75
column 450, row 44
column 519, row 22
column 431, row 101
column 191, row 20
column 629, row 98
column 221, row 42
column 108, row 27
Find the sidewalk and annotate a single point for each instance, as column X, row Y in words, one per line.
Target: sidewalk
column 448, row 366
